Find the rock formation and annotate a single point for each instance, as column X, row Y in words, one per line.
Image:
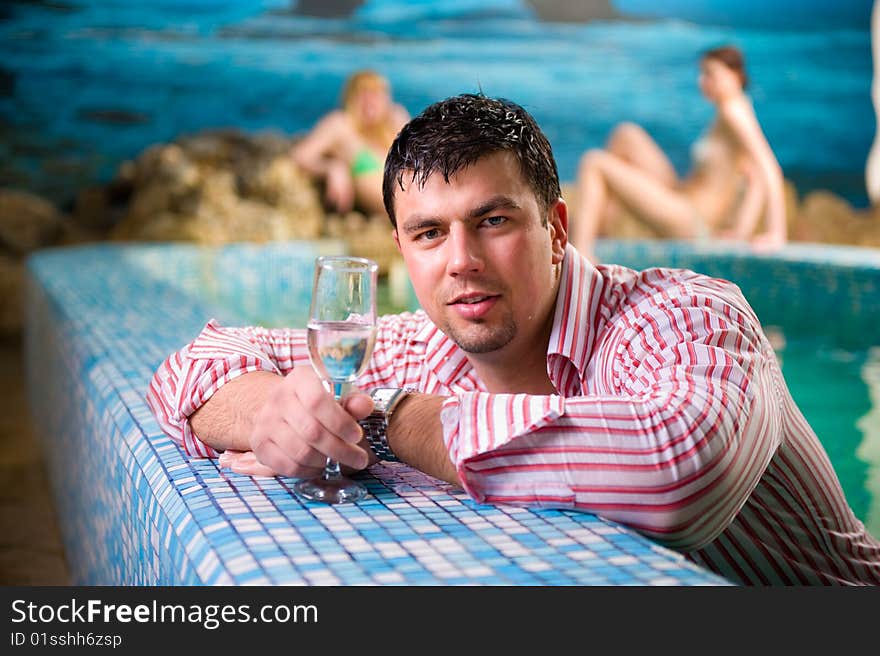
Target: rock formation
column 577, row 11
column 27, row 222
column 326, row 8
column 212, row 188
column 574, row 11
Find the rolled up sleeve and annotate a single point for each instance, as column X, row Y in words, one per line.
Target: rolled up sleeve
column 185, row 381
column 479, row 423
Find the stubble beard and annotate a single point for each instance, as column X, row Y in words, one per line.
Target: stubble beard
column 481, row 338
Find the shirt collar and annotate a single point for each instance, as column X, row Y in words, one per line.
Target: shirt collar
column 576, row 321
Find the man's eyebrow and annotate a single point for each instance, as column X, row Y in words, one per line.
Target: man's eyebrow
column 494, row 203
column 418, row 223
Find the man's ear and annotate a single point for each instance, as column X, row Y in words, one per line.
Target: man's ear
column 396, row 240
column 557, row 221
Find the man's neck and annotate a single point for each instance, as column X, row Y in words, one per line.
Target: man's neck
column 523, row 378
column 521, row 372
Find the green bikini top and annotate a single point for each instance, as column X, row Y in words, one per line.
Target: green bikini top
column 365, row 161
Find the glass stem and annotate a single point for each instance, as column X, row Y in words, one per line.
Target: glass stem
column 331, row 470
column 331, row 467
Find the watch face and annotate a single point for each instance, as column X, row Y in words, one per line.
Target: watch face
column 382, row 397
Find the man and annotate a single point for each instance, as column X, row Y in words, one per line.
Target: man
column 651, row 398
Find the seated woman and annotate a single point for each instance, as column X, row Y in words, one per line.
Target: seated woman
column 734, row 180
column 346, row 149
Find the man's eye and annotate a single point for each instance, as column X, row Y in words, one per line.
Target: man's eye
column 428, row 235
column 495, row 220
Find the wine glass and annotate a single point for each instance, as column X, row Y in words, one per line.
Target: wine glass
column 341, row 333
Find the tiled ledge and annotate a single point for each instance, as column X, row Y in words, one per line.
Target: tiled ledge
column 814, row 253
column 136, row 511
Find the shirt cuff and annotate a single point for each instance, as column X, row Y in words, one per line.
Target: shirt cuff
column 478, row 423
column 215, row 358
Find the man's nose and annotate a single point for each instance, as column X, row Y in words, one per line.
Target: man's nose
column 464, row 252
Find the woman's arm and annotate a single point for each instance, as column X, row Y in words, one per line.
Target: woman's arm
column 750, row 208
column 315, row 155
column 741, row 119
column 400, row 117
column 312, row 153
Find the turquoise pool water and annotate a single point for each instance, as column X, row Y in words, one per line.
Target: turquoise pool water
column 838, row 390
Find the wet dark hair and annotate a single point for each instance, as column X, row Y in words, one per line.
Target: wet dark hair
column 452, row 134
column 732, row 57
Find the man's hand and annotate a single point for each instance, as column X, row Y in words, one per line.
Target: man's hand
column 245, row 462
column 269, row 425
column 300, row 425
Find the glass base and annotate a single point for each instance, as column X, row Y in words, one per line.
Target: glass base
column 331, row 490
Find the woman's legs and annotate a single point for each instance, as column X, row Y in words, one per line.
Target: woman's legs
column 603, row 175
column 597, row 209
column 632, row 144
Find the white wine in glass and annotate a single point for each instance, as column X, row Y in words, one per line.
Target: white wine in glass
column 341, row 334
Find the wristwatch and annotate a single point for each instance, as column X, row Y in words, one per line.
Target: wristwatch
column 385, row 400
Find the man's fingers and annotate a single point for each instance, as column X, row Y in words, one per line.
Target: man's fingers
column 257, row 470
column 278, row 460
column 303, row 420
column 298, row 441
column 327, row 442
column 277, row 446
column 246, row 463
column 358, row 405
column 326, row 411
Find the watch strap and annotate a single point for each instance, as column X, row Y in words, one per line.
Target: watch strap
column 376, row 432
column 375, row 426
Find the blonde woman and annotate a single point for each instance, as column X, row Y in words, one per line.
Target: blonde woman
column 346, row 149
column 734, row 180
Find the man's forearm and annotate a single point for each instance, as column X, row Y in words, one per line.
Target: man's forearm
column 226, row 419
column 415, row 434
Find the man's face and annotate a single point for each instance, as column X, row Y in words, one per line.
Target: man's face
column 482, row 263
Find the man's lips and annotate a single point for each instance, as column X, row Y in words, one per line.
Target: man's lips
column 470, row 297
column 473, row 305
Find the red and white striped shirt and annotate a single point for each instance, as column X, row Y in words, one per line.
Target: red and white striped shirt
column 672, row 417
